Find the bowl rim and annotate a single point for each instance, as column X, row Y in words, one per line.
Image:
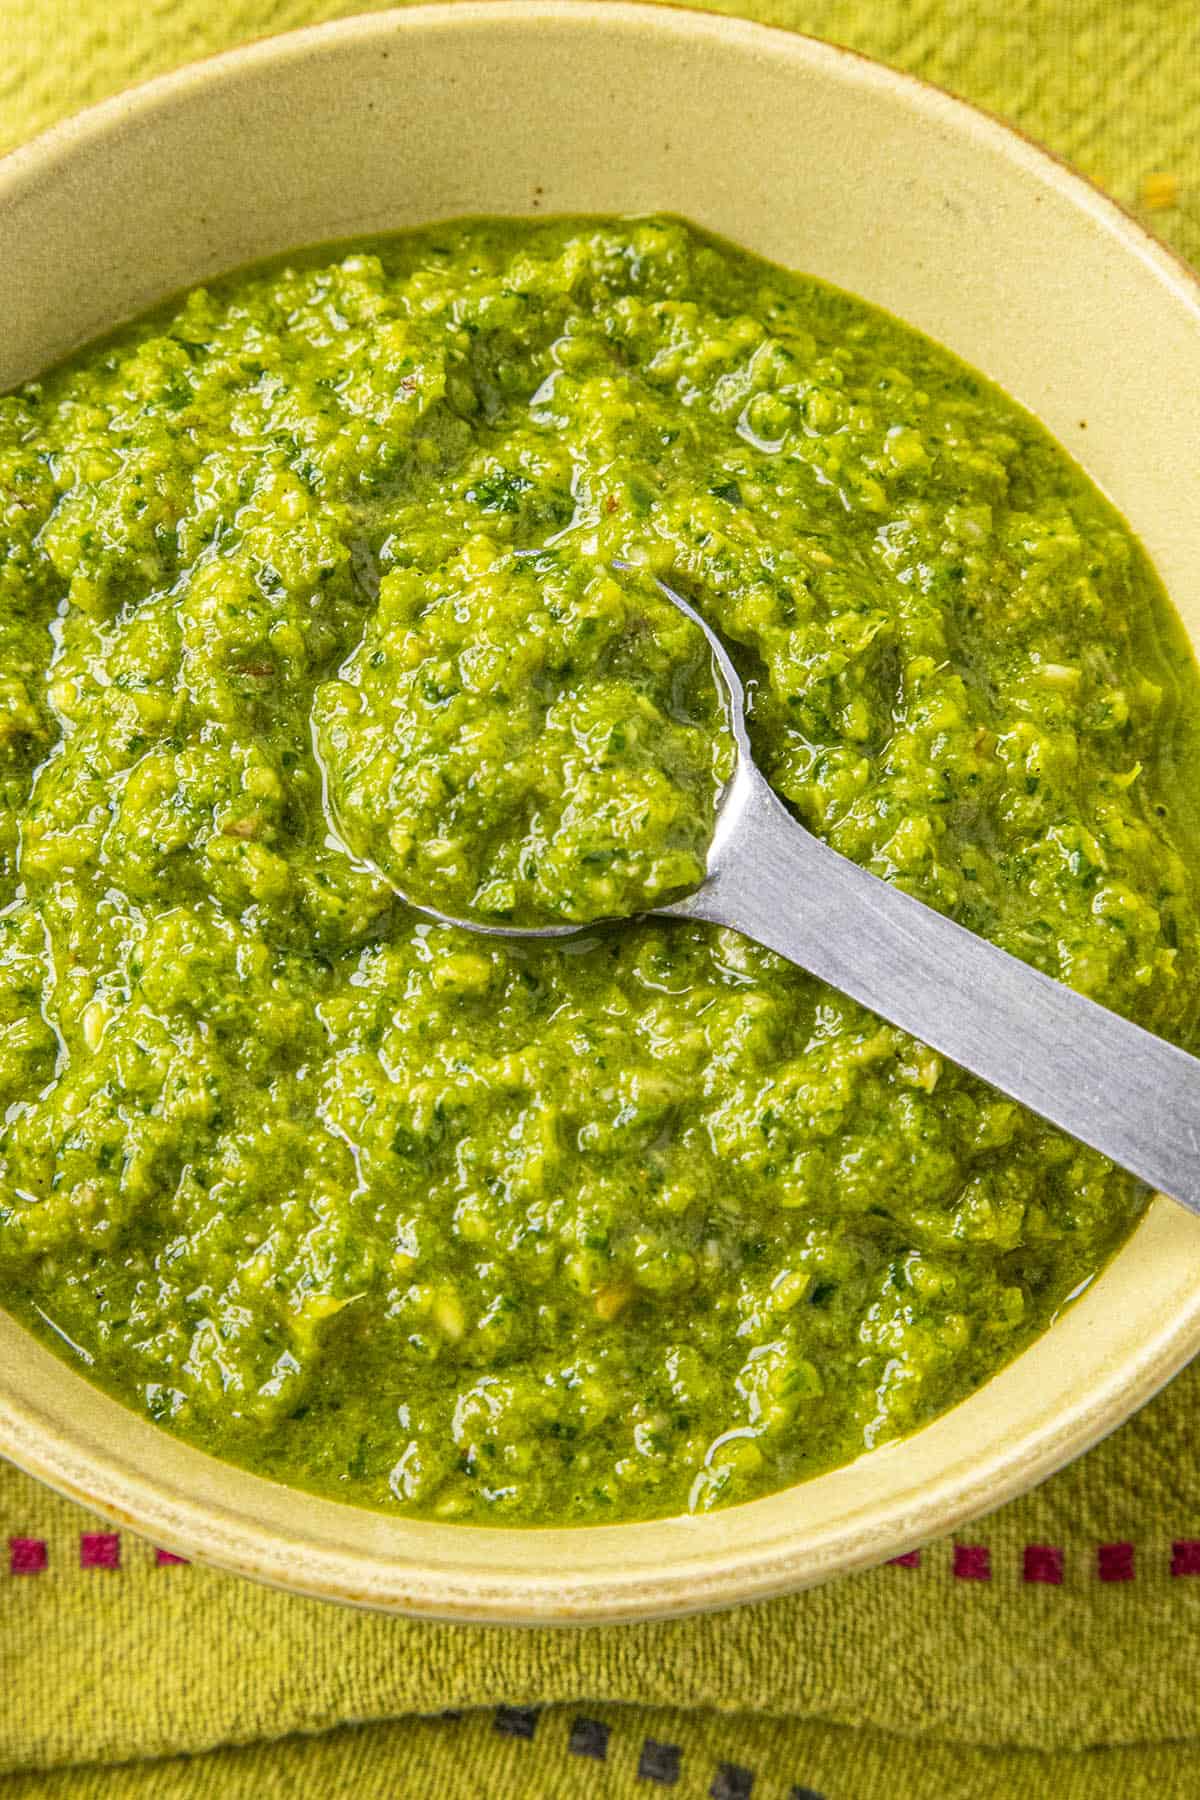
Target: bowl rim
column 98, row 1473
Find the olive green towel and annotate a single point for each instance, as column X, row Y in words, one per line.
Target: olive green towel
column 1053, row 1649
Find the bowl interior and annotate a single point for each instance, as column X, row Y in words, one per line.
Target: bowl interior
column 826, row 163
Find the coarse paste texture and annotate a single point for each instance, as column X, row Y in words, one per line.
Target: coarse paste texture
column 568, row 1232
column 518, row 739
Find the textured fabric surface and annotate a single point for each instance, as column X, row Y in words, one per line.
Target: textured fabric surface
column 1051, row 1649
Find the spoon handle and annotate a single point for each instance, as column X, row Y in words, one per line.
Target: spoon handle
column 1108, row 1083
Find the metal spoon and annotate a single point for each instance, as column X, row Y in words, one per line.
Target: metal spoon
column 1128, row 1094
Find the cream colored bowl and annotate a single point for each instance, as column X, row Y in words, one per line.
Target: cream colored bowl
column 822, row 161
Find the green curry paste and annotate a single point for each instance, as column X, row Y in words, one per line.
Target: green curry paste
column 649, row 1219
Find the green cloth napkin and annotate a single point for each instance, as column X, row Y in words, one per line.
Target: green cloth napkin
column 1050, row 1650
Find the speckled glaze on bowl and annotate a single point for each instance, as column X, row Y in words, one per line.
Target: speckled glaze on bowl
column 825, row 162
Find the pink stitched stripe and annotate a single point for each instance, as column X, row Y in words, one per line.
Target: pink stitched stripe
column 1042, row 1562
column 1114, row 1562
column 26, row 1556
column 99, row 1550
column 972, row 1562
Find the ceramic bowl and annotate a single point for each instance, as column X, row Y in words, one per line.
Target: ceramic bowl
column 827, row 163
